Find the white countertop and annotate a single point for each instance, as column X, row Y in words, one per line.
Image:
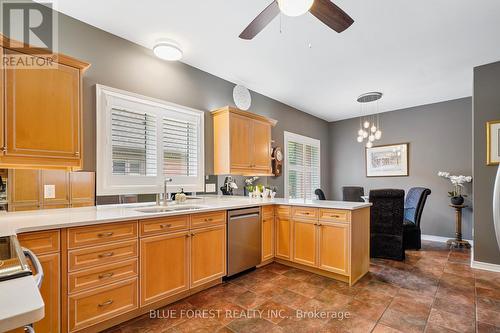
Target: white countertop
column 20, row 303
column 16, row 222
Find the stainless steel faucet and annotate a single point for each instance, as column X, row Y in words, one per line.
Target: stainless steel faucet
column 166, row 194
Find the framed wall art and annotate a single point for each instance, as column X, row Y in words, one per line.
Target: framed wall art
column 387, row 160
column 493, row 142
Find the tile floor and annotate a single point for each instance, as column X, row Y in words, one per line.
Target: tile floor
column 433, row 290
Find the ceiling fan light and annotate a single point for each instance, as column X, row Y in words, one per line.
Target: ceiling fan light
column 168, row 50
column 295, row 7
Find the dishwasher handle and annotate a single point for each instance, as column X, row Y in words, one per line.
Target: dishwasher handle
column 245, row 216
column 37, row 265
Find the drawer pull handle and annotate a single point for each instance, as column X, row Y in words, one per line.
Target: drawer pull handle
column 307, row 213
column 163, row 226
column 108, row 302
column 107, row 254
column 209, row 220
column 105, row 234
column 106, row 275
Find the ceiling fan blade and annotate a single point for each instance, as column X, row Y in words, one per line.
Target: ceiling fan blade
column 261, row 21
column 331, row 15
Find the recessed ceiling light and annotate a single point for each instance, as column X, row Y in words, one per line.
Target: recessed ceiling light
column 168, row 50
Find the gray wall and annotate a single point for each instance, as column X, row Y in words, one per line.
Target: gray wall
column 486, row 108
column 440, row 139
column 124, row 65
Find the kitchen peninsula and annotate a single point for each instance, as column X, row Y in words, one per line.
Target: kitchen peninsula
column 114, row 263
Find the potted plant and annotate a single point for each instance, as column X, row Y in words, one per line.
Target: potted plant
column 456, row 195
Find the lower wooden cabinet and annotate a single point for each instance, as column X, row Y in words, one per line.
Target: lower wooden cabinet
column 283, row 236
column 334, row 247
column 97, row 305
column 305, row 242
column 267, row 237
column 208, row 254
column 51, row 293
column 164, row 266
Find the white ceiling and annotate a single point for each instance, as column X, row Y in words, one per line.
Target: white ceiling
column 415, row 52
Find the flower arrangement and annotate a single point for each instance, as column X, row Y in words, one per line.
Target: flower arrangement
column 458, row 184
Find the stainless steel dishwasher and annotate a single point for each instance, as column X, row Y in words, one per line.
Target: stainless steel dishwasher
column 243, row 239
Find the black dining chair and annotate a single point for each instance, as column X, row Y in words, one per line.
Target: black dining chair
column 386, row 224
column 414, row 206
column 353, row 193
column 321, row 195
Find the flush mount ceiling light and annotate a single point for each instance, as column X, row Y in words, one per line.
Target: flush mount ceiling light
column 295, row 7
column 168, row 50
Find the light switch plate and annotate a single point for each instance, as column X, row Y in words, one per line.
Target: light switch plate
column 209, row 188
column 49, row 191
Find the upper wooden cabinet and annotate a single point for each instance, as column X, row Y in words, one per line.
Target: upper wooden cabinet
column 242, row 142
column 41, row 114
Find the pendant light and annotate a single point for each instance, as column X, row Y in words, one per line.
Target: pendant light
column 369, row 127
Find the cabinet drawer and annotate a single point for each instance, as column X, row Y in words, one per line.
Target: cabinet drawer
column 88, row 308
column 104, row 254
column 164, row 225
column 283, row 211
column 41, row 242
column 336, row 215
column 267, row 211
column 208, row 219
column 97, row 277
column 305, row 212
column 101, row 234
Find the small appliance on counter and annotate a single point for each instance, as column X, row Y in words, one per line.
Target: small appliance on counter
column 12, row 259
column 229, row 186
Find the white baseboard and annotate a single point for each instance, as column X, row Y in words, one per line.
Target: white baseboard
column 483, row 265
column 441, row 239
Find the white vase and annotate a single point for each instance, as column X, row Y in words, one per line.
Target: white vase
column 496, row 207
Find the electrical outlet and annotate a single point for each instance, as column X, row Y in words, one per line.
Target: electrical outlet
column 49, row 191
column 210, row 188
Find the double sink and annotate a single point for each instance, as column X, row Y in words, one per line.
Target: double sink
column 166, row 209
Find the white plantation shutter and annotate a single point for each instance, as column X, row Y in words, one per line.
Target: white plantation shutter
column 302, row 171
column 142, row 140
column 133, row 143
column 180, row 148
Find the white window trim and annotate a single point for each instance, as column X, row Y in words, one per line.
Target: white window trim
column 109, row 184
column 289, row 136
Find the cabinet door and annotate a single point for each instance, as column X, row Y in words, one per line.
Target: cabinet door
column 208, row 255
column 304, row 242
column 334, row 247
column 50, row 293
column 24, row 188
column 60, row 181
column 164, row 266
column 261, row 146
column 283, row 235
column 267, row 238
column 82, row 188
column 241, row 143
column 42, row 113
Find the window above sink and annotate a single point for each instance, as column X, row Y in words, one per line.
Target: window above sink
column 142, row 140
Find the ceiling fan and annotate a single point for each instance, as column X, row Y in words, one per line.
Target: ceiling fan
column 324, row 10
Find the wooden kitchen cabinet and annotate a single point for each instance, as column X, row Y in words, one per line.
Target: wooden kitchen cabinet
column 46, row 246
column 305, row 242
column 24, row 190
column 334, row 247
column 164, row 266
column 283, row 235
column 208, row 254
column 242, row 142
column 82, row 188
column 42, row 114
column 267, row 237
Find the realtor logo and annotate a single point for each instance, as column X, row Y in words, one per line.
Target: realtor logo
column 30, row 29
